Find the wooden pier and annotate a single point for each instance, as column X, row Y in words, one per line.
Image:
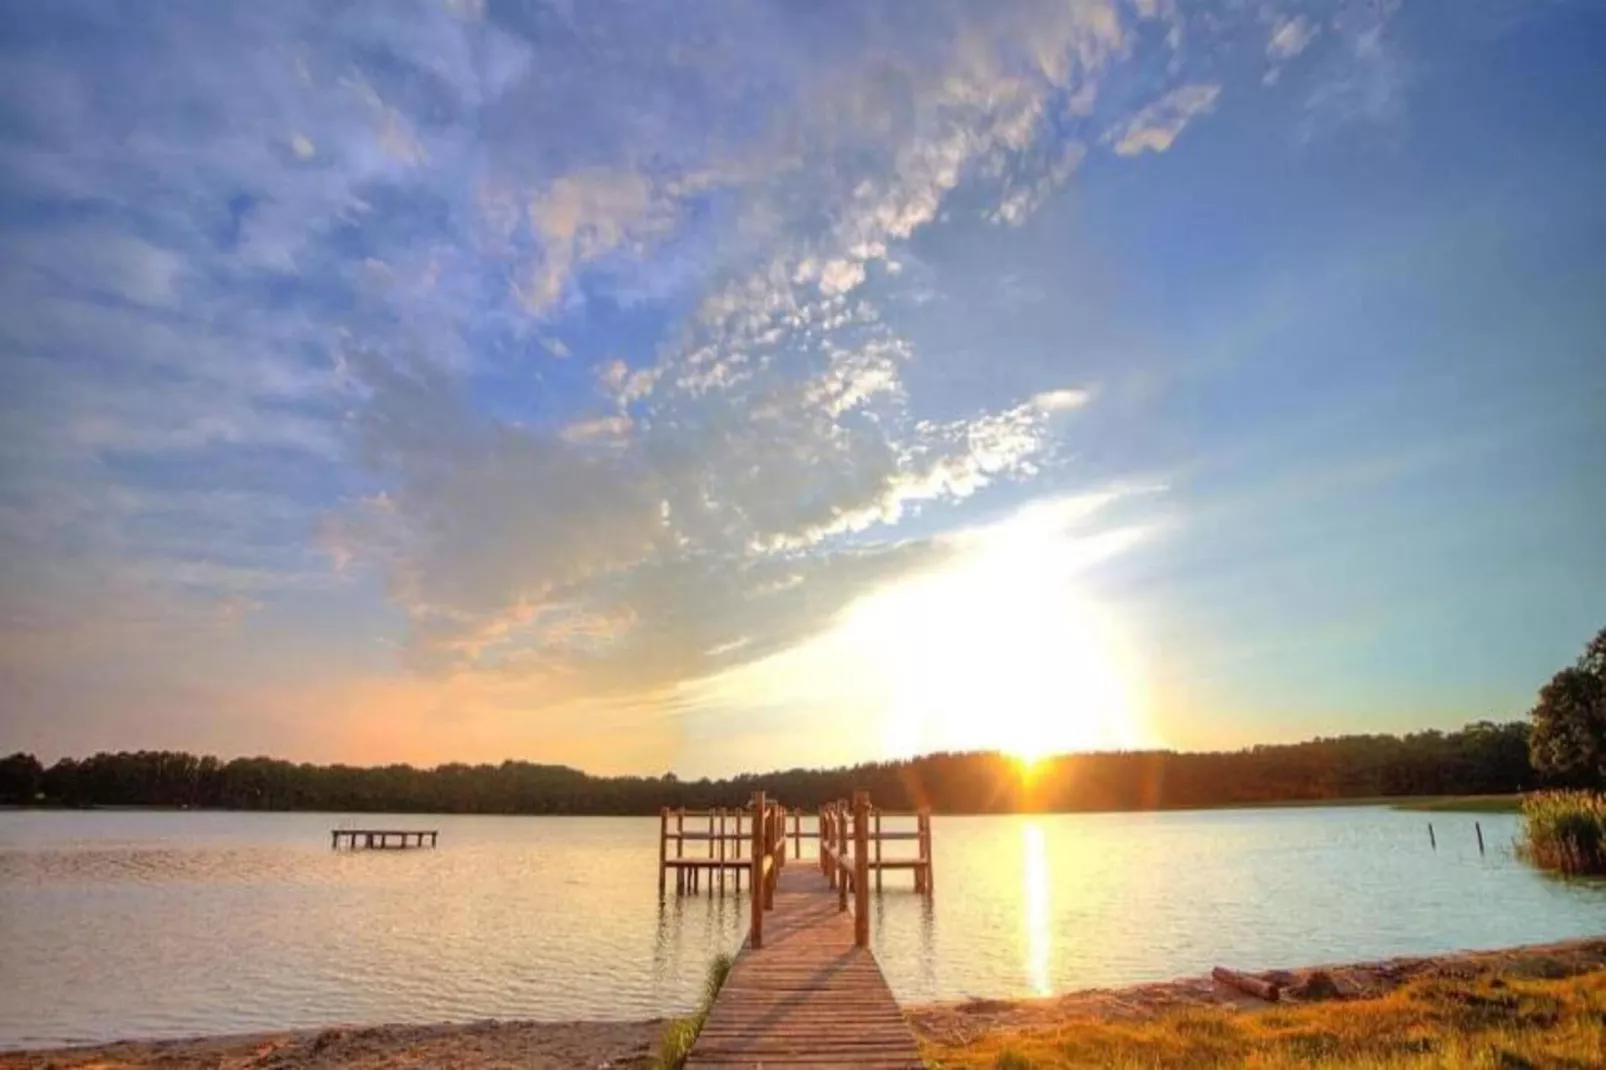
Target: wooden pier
column 805, row 990
column 382, row 839
column 706, row 849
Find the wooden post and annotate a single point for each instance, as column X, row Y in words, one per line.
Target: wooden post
column 843, row 873
column 861, row 868
column 756, row 925
column 1431, row 841
column 334, row 840
column 878, row 849
column 797, row 834
column 773, row 845
column 925, row 846
column 1479, row 829
column 826, row 840
column 663, row 847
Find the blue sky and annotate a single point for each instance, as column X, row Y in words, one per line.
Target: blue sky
column 732, row 385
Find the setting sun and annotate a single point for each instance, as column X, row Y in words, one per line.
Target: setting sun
column 1000, row 651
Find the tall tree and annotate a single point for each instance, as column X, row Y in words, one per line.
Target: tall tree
column 1568, row 741
column 21, row 776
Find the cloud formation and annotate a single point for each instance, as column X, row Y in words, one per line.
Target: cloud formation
column 566, row 335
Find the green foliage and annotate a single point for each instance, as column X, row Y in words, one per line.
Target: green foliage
column 718, row 970
column 1568, row 741
column 680, row 1034
column 1482, row 758
column 1565, row 831
column 675, row 1043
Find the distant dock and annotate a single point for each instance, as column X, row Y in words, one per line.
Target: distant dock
column 382, row 839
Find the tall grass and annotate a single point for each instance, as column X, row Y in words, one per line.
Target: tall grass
column 679, row 1034
column 1565, row 831
column 1487, row 1023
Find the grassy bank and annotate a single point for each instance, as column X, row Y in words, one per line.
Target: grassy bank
column 1492, row 1021
column 679, row 1034
column 1565, row 831
column 1466, row 804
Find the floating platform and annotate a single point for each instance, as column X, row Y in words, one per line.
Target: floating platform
column 382, row 839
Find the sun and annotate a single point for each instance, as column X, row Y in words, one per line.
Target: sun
column 999, row 652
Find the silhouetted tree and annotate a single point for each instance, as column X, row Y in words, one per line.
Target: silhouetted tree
column 21, row 777
column 1568, row 742
column 1481, row 758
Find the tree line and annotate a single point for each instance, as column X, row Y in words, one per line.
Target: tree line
column 1480, row 758
column 1562, row 744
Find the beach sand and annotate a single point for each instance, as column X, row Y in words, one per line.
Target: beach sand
column 590, row 1045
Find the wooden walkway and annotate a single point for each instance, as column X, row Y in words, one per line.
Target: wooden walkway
column 809, row 997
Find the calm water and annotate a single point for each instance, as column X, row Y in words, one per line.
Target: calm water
column 163, row 924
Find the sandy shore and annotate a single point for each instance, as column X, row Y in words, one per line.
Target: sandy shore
column 567, row 1046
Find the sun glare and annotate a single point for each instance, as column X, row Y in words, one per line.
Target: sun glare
column 1001, row 652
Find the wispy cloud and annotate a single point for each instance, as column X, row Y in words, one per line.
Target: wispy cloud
column 301, row 271
column 1156, row 127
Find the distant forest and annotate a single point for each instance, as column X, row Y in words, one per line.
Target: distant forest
column 1480, row 759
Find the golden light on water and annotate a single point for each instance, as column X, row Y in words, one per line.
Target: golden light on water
column 1038, row 943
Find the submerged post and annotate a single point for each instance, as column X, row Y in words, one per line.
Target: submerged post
column 1479, row 829
column 756, row 926
column 1431, row 841
column 861, row 868
column 925, row 847
column 878, row 848
column 663, row 848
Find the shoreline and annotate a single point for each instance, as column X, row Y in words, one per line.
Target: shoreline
column 489, row 1044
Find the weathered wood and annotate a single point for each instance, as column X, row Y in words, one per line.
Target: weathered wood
column 808, row 997
column 1248, row 983
column 861, row 872
column 405, row 838
column 755, row 931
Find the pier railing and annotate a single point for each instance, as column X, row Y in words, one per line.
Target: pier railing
column 713, row 845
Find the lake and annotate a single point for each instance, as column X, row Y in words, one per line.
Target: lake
column 156, row 924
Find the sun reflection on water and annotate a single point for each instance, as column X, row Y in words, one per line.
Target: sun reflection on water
column 1038, row 944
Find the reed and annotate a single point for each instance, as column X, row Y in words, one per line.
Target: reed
column 675, row 1043
column 1565, row 831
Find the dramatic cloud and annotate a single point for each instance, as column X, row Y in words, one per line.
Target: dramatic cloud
column 560, row 344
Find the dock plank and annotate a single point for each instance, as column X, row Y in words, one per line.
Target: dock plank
column 809, row 997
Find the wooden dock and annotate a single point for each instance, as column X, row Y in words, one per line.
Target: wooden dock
column 706, row 849
column 805, row 990
column 381, row 839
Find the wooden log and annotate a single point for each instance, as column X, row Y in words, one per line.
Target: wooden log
column 1248, row 983
column 861, row 860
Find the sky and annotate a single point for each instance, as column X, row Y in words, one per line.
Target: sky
column 746, row 384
